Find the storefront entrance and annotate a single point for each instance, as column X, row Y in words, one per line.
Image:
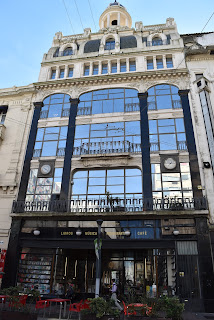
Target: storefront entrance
column 143, row 271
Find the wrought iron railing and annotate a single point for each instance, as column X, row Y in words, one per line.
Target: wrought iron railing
column 155, row 146
column 182, row 145
column 60, row 152
column 130, row 107
column 116, row 205
column 65, row 113
column 84, row 111
column 176, row 104
column 107, row 147
column 37, row 153
column 44, row 113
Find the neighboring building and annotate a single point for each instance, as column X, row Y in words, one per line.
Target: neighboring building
column 112, row 138
column 15, row 121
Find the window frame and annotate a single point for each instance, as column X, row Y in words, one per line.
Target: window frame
column 57, row 101
column 44, row 140
column 158, row 134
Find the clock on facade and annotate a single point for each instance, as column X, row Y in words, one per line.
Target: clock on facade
column 170, row 163
column 45, row 169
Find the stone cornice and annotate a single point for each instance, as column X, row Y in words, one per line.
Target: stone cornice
column 17, row 90
column 114, row 78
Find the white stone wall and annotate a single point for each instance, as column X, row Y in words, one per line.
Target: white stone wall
column 202, row 63
column 12, row 150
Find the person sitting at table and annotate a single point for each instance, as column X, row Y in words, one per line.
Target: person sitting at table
column 70, row 290
column 114, row 294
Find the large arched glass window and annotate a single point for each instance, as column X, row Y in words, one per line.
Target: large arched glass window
column 105, row 183
column 110, row 44
column 56, row 105
column 156, row 41
column 108, row 101
column 163, row 96
column 68, row 52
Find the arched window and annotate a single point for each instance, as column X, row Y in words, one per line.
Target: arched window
column 56, row 105
column 68, row 52
column 163, row 96
column 109, row 184
column 108, row 101
column 110, row 44
column 156, row 41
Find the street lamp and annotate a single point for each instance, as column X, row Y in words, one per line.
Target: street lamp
column 98, row 245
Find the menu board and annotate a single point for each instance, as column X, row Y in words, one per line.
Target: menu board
column 35, row 272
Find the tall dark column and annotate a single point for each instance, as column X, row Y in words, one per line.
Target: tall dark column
column 12, row 256
column 194, row 167
column 145, row 146
column 205, row 264
column 29, row 151
column 69, row 150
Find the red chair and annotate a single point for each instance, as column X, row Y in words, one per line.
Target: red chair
column 75, row 307
column 41, row 304
column 21, row 300
column 85, row 305
column 126, row 310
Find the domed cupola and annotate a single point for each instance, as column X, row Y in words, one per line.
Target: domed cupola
column 115, row 15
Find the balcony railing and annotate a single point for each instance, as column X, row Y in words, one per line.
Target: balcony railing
column 176, row 104
column 155, row 146
column 59, row 153
column 157, row 43
column 130, row 107
column 84, row 111
column 107, row 147
column 117, row 205
column 44, row 113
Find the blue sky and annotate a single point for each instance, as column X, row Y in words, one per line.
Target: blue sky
column 27, row 27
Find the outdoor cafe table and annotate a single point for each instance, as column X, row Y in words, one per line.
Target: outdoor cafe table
column 61, row 301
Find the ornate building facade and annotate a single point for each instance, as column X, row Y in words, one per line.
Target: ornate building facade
column 112, row 139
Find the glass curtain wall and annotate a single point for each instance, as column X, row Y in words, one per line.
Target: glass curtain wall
column 108, row 101
column 171, row 185
column 56, row 105
column 107, row 138
column 112, row 188
column 163, row 96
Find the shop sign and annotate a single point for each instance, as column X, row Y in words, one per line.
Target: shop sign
column 142, row 233
column 135, row 233
column 2, row 261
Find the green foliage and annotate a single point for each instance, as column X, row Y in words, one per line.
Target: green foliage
column 172, row 307
column 101, row 307
column 13, row 294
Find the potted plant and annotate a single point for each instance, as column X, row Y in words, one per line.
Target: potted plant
column 100, row 309
column 113, row 203
column 173, row 307
column 16, row 306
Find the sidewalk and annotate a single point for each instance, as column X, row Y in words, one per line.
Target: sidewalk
column 198, row 316
column 186, row 316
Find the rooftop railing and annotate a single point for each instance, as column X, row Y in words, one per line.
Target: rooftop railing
column 116, row 205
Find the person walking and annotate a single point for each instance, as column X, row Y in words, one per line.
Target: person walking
column 114, row 294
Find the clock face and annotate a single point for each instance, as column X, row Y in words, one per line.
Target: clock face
column 170, row 163
column 45, row 169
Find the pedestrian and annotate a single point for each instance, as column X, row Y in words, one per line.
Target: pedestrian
column 114, row 294
column 70, row 290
